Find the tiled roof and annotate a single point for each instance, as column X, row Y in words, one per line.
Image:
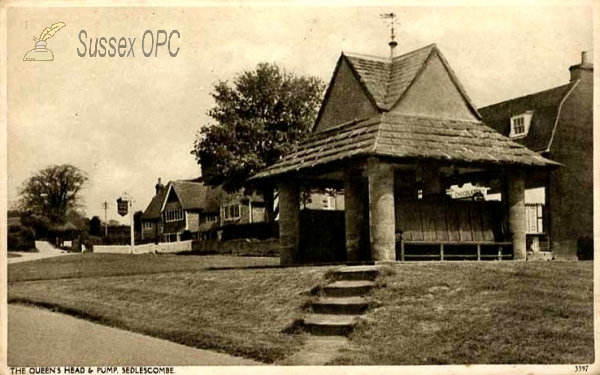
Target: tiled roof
column 407, row 137
column 386, row 80
column 152, row 212
column 545, row 105
column 192, row 195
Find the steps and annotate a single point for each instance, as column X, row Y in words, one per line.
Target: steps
column 342, row 302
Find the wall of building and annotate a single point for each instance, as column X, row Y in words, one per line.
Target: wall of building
column 347, row 100
column 570, row 190
column 150, row 233
column 433, row 94
column 193, row 220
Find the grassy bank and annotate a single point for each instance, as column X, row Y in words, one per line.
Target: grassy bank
column 431, row 312
column 479, row 313
column 236, row 311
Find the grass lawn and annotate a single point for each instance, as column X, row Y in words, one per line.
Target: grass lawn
column 179, row 298
column 431, row 313
column 95, row 265
column 479, row 313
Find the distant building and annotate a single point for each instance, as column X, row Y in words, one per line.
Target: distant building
column 557, row 123
column 191, row 206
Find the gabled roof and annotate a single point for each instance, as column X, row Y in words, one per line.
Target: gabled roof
column 546, row 106
column 152, row 212
column 403, row 137
column 191, row 195
column 386, row 80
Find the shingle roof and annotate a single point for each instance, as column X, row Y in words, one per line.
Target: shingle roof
column 545, row 105
column 407, row 137
column 386, row 80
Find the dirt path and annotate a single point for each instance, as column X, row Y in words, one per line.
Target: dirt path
column 45, row 250
column 317, row 351
column 38, row 337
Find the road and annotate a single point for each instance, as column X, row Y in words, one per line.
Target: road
column 38, row 337
column 45, row 250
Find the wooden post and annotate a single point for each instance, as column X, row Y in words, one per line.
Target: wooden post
column 441, row 251
column 478, row 251
column 402, row 250
column 289, row 222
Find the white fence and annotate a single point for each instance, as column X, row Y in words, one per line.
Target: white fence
column 161, row 248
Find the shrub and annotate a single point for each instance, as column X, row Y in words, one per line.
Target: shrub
column 261, row 231
column 23, row 240
column 186, row 235
column 585, row 248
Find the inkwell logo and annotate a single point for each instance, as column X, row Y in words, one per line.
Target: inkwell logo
column 40, row 52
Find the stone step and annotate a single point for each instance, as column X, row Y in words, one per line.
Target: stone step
column 356, row 273
column 345, row 288
column 341, row 305
column 329, row 325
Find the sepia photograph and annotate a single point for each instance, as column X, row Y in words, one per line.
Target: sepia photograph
column 285, row 183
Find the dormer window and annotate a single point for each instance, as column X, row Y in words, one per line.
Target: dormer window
column 519, row 124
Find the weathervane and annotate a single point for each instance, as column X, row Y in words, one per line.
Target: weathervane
column 392, row 43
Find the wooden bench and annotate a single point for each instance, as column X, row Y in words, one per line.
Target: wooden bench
column 453, row 223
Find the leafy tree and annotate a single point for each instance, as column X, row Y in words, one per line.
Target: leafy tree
column 53, row 192
column 259, row 118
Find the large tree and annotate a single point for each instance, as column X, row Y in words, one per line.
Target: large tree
column 258, row 119
column 53, row 192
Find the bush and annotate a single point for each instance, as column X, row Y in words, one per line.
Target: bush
column 585, row 248
column 186, row 235
column 261, row 231
column 23, row 240
column 90, row 241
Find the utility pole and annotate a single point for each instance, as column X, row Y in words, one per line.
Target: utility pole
column 105, row 206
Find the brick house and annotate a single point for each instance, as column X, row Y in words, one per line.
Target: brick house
column 190, row 205
column 557, row 123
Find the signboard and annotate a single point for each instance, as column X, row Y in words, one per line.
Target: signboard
column 122, row 206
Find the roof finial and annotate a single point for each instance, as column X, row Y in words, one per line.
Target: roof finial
column 392, row 43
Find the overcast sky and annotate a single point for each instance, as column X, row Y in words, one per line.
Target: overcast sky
column 127, row 121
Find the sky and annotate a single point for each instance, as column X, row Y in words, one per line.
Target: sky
column 125, row 121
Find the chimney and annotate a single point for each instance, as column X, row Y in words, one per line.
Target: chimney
column 393, row 45
column 159, row 186
column 583, row 71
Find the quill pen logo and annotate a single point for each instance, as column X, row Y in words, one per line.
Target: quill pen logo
column 40, row 52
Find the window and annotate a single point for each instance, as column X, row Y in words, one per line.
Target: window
column 211, row 218
column 231, row 212
column 174, row 215
column 328, row 203
column 519, row 124
column 148, row 224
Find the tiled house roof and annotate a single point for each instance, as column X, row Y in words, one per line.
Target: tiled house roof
column 545, row 106
column 192, row 195
column 405, row 137
column 152, row 212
